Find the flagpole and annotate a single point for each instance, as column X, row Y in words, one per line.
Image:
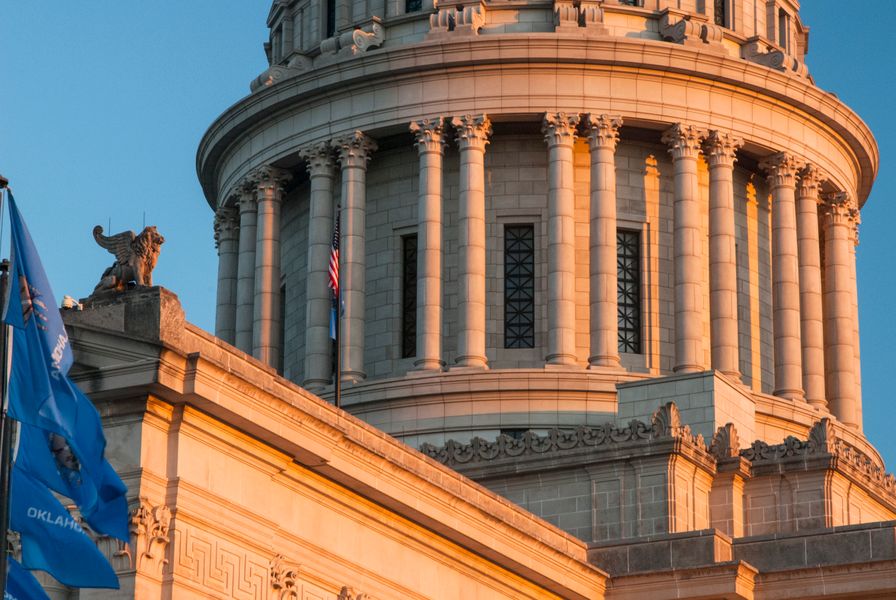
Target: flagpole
column 6, row 424
column 337, row 388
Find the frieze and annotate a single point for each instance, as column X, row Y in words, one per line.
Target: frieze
column 665, row 424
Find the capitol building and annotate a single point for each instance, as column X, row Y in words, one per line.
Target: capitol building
column 599, row 322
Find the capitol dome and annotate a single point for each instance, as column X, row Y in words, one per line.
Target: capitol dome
column 552, row 216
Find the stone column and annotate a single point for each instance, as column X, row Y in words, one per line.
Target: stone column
column 687, row 239
column 472, row 136
column 603, row 135
column 266, row 335
column 839, row 225
column 782, row 170
column 245, row 283
column 854, row 290
column 560, row 135
column 354, row 151
column 720, row 150
column 430, row 142
column 321, row 171
column 811, row 305
column 227, row 242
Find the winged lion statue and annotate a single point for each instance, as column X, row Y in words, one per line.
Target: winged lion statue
column 135, row 258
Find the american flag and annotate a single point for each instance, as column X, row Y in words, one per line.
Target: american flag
column 334, row 259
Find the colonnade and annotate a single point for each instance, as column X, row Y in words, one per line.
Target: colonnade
column 815, row 335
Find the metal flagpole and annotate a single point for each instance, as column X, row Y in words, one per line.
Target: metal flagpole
column 6, row 424
column 337, row 396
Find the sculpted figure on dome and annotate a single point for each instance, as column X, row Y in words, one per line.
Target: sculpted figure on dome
column 135, row 258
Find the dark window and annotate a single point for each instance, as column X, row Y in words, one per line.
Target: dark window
column 720, row 13
column 331, row 18
column 281, row 357
column 413, row 6
column 519, row 286
column 409, row 296
column 783, row 29
column 628, row 286
column 630, row 2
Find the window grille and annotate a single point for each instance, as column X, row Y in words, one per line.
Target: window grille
column 409, row 296
column 519, row 286
column 628, row 286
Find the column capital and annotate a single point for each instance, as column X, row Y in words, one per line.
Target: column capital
column 318, row 158
column 268, row 178
column 429, row 135
column 226, row 224
column 559, row 128
column 602, row 130
column 355, row 149
column 782, row 169
column 684, row 140
column 245, row 195
column 720, row 148
column 838, row 209
column 473, row 131
column 810, row 182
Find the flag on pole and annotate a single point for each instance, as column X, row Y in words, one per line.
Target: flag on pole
column 21, row 585
column 334, row 259
column 52, row 540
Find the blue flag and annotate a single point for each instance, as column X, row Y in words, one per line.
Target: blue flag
column 100, row 496
column 21, row 585
column 52, row 540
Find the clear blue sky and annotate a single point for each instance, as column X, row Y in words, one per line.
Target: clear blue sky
column 104, row 103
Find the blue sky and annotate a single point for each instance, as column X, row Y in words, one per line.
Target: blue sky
column 105, row 101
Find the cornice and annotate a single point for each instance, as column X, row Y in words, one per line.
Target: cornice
column 511, row 51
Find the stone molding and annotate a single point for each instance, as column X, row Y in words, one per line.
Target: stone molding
column 684, row 141
column 458, row 20
column 602, row 130
column 782, row 169
column 227, row 225
column 355, row 149
column 665, row 424
column 720, row 148
column 559, row 129
column 473, row 131
column 429, row 135
column 318, row 159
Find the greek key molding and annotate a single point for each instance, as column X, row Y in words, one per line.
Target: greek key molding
column 220, row 566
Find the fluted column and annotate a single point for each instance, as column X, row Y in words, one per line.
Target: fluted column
column 245, row 284
column 560, row 135
column 321, row 171
column 472, row 136
column 430, row 142
column 720, row 150
column 354, row 151
column 782, row 171
column 603, row 135
column 227, row 242
column 811, row 305
column 854, row 290
column 839, row 225
column 687, row 239
column 266, row 334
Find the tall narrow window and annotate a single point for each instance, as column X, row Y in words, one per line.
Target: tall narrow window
column 519, row 286
column 628, row 286
column 331, row 18
column 413, row 6
column 783, row 29
column 720, row 13
column 409, row 296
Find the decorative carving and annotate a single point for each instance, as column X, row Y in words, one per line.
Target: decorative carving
column 566, row 16
column 472, row 130
column 150, row 534
column 684, row 141
column 355, row 41
column 225, row 569
column 810, row 182
column 297, row 65
column 227, row 224
column 459, row 20
column 725, row 443
column 318, row 159
column 838, row 209
column 266, row 178
column 347, row 593
column 591, row 17
column 782, row 169
column 135, row 258
column 602, row 130
column 666, row 423
column 284, row 580
column 721, row 148
column 680, row 28
column 355, row 149
column 760, row 52
column 822, row 437
column 559, row 128
column 429, row 135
